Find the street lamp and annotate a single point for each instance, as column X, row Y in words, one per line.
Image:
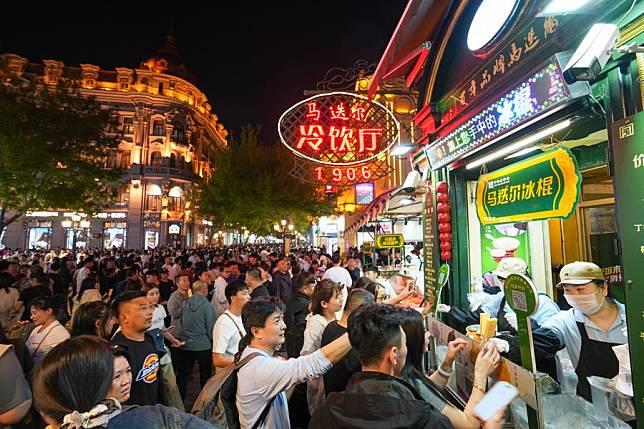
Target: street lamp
column 76, row 224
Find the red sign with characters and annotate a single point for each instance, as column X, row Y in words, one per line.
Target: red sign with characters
column 339, row 129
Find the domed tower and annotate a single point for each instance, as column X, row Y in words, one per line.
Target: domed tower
column 167, row 60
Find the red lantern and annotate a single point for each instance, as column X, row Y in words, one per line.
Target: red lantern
column 444, row 227
column 443, row 208
column 444, row 217
column 442, row 198
column 446, row 255
column 446, row 246
column 445, row 236
column 442, row 187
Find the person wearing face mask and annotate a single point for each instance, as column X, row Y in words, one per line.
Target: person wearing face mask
column 498, row 307
column 590, row 329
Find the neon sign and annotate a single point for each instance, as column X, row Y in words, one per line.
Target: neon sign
column 343, row 175
column 542, row 91
column 338, row 129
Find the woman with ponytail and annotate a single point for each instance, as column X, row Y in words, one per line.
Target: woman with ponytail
column 71, row 390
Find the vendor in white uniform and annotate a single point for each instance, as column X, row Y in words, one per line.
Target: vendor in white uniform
column 498, row 307
column 590, row 329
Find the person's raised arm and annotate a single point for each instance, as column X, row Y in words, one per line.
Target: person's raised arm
column 337, row 349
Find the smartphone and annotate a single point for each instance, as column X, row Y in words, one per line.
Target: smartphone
column 499, row 396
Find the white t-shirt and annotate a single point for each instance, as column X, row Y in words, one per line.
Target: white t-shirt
column 226, row 334
column 42, row 340
column 315, row 324
column 157, row 318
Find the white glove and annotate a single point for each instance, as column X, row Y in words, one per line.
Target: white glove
column 502, row 346
column 443, row 308
column 512, row 320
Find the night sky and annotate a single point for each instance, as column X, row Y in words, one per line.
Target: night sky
column 252, row 59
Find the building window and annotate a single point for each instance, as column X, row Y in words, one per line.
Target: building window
column 178, row 133
column 124, row 83
column 153, row 198
column 128, row 126
column 175, row 199
column 122, row 197
column 111, row 161
column 158, row 128
column 160, row 88
column 126, row 159
column 144, row 80
column 155, row 158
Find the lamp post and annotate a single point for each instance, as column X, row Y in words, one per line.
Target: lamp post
column 282, row 227
column 76, row 224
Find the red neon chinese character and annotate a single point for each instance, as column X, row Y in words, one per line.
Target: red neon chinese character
column 314, row 112
column 368, row 139
column 340, row 112
column 345, row 134
column 357, row 113
column 311, row 135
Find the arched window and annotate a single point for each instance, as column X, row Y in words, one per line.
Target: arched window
column 173, row 160
column 153, row 198
column 179, row 132
column 158, row 128
column 182, row 161
column 175, row 202
column 155, row 158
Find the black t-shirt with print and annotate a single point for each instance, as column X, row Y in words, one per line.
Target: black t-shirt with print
column 146, row 371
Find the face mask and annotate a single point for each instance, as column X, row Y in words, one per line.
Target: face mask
column 587, row 304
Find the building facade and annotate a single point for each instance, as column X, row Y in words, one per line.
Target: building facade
column 168, row 137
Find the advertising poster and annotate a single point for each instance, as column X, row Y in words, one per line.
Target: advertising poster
column 503, row 241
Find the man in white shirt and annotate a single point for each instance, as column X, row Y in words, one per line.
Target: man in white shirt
column 229, row 328
column 219, row 294
column 341, row 276
column 83, row 273
column 263, row 381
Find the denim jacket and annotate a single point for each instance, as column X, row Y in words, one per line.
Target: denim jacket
column 157, row 417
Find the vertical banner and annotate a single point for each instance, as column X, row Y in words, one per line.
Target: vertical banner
column 627, row 144
column 429, row 240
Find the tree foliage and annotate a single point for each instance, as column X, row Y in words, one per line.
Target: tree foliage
column 53, row 146
column 251, row 186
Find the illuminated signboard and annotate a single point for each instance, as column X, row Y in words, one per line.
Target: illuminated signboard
column 542, row 91
column 338, row 129
column 364, row 193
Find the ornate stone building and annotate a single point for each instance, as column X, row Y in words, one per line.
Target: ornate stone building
column 168, row 137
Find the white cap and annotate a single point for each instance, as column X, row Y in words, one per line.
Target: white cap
column 509, row 266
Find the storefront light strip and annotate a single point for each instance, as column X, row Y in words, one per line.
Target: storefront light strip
column 519, row 145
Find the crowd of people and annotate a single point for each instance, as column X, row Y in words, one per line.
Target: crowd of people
column 111, row 338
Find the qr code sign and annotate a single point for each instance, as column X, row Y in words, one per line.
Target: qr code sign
column 518, row 300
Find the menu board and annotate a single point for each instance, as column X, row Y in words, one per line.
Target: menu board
column 429, row 246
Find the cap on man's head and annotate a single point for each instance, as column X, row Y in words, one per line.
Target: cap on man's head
column 579, row 273
column 509, row 266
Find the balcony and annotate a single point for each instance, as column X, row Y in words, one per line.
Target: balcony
column 163, row 170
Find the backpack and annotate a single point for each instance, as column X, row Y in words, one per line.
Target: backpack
column 216, row 402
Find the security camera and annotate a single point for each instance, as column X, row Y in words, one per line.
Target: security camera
column 593, row 53
column 411, row 182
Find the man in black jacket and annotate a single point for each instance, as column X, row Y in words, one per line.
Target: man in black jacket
column 375, row 397
column 297, row 308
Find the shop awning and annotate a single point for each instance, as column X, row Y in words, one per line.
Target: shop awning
column 409, row 46
column 371, row 212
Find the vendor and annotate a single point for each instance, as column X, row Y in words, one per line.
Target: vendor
column 590, row 329
column 498, row 306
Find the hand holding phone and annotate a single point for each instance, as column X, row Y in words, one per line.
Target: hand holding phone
column 499, row 396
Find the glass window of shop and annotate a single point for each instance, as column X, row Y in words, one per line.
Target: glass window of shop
column 151, row 239
column 82, row 238
column 39, row 235
column 114, row 234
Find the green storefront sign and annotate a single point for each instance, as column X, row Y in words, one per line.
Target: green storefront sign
column 627, row 142
column 545, row 186
column 389, row 241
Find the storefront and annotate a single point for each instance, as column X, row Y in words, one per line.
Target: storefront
column 151, row 228
column 502, row 112
column 38, row 234
column 174, row 237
